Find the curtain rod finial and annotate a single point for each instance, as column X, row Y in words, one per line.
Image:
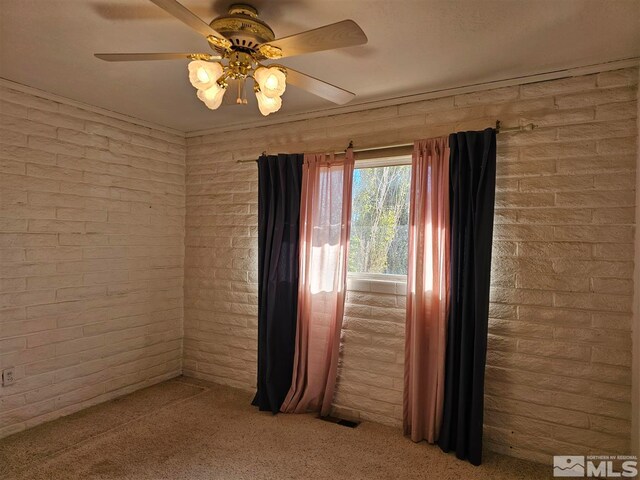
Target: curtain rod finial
column 497, row 126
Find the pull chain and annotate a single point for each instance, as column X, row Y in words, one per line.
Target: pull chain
column 241, row 99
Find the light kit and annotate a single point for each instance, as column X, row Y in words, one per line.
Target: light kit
column 210, row 79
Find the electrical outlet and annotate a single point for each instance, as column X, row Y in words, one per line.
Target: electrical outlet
column 8, row 376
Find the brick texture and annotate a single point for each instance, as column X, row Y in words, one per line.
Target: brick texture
column 104, row 276
column 91, row 256
column 559, row 359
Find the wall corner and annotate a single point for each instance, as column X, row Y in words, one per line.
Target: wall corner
column 635, row 382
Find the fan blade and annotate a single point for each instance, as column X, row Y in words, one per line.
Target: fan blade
column 337, row 35
column 318, row 87
column 136, row 57
column 189, row 18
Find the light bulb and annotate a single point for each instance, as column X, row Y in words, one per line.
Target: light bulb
column 271, row 80
column 268, row 105
column 203, row 75
column 212, row 96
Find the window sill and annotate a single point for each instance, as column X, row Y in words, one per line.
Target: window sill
column 377, row 283
column 377, row 277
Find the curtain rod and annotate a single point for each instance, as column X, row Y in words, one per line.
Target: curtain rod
column 523, row 128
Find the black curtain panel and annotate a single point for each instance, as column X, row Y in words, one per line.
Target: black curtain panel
column 472, row 195
column 279, row 186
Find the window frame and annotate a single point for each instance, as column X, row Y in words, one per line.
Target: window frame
column 394, row 161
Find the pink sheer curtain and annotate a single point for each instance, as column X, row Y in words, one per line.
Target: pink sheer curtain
column 325, row 220
column 427, row 290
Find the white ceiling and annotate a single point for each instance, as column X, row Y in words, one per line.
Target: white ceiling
column 414, row 46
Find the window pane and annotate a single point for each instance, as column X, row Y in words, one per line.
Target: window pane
column 379, row 220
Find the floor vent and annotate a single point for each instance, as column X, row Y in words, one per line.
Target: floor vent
column 340, row 421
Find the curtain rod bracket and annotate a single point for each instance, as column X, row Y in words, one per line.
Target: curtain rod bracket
column 520, row 128
column 350, row 144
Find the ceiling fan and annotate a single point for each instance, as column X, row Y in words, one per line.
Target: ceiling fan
column 241, row 42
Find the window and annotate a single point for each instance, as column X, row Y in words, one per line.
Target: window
column 379, row 218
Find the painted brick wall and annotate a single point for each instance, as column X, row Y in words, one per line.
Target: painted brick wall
column 371, row 369
column 558, row 368
column 92, row 249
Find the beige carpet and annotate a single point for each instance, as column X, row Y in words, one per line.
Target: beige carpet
column 188, row 429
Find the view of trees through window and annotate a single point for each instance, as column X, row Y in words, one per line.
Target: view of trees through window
column 379, row 221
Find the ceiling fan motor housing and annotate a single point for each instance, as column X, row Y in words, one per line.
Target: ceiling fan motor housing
column 243, row 28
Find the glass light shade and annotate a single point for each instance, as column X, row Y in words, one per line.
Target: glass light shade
column 212, row 96
column 204, row 75
column 271, row 80
column 268, row 105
